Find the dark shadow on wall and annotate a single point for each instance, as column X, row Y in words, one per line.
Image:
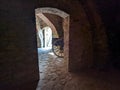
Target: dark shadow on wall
column 110, row 13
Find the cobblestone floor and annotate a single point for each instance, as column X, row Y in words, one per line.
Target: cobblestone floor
column 54, row 76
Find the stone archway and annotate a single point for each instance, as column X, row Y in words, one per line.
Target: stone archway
column 65, row 25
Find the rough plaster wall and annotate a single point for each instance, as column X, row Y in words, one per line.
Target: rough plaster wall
column 81, row 54
column 84, row 49
column 99, row 36
column 18, row 55
column 110, row 13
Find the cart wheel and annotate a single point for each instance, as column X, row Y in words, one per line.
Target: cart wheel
column 58, row 48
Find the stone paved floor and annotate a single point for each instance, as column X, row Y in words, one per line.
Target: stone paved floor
column 54, row 76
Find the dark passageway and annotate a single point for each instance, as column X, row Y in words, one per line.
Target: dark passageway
column 91, row 45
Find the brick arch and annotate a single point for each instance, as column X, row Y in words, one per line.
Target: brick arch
column 65, row 25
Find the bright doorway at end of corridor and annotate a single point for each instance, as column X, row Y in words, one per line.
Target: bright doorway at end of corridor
column 52, row 26
column 47, row 42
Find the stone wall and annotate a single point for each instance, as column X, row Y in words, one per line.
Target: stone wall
column 18, row 55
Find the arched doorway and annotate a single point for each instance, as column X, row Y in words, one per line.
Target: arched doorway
column 40, row 13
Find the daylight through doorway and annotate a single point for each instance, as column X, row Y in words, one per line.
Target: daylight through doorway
column 52, row 26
